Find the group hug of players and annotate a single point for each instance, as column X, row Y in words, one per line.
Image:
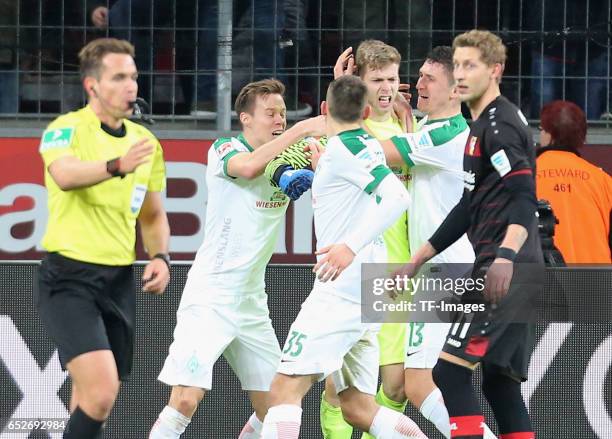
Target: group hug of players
column 385, row 188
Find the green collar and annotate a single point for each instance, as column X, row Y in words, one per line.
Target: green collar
column 244, row 142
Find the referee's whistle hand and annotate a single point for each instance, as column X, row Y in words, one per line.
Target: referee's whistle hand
column 139, row 153
column 155, row 277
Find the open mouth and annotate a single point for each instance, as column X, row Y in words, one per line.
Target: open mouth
column 384, row 100
column 277, row 132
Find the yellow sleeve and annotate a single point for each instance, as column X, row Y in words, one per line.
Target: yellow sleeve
column 157, row 182
column 58, row 140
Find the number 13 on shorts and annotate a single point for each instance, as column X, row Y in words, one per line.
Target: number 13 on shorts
column 293, row 345
column 415, row 334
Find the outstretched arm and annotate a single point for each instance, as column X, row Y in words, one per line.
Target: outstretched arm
column 249, row 165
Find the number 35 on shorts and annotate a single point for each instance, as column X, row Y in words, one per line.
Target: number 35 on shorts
column 293, row 345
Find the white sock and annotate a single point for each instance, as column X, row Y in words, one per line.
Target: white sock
column 488, row 434
column 169, row 425
column 434, row 410
column 389, row 424
column 252, row 429
column 282, row 422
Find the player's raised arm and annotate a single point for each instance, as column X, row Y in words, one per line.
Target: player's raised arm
column 345, row 64
column 252, row 164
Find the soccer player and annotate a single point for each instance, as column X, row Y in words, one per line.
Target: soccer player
column 434, row 154
column 498, row 211
column 103, row 174
column 328, row 336
column 223, row 308
column 377, row 64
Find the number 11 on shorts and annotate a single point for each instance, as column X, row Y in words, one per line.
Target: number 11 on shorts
column 293, row 346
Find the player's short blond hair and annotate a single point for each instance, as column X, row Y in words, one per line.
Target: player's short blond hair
column 376, row 55
column 245, row 102
column 91, row 56
column 492, row 49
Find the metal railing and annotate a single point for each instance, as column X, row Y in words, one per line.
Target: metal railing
column 194, row 55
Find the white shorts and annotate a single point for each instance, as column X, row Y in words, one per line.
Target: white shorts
column 328, row 338
column 424, row 342
column 238, row 327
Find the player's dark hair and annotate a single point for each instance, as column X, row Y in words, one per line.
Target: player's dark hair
column 443, row 55
column 566, row 123
column 245, row 102
column 347, row 98
column 91, row 56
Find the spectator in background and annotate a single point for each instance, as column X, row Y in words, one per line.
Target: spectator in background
column 256, row 45
column 572, row 41
column 132, row 20
column 579, row 192
column 9, row 79
column 261, row 43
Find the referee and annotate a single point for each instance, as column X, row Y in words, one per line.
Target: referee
column 498, row 212
column 103, row 173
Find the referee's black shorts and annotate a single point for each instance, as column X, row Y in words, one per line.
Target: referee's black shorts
column 88, row 307
column 504, row 336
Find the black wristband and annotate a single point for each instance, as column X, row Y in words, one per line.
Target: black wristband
column 164, row 257
column 277, row 174
column 112, row 167
column 506, row 253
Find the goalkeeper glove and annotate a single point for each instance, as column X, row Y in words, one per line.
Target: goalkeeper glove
column 295, row 182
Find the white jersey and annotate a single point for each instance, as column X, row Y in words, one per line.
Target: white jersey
column 351, row 168
column 243, row 218
column 435, row 156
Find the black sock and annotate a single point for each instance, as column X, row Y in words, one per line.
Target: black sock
column 504, row 395
column 81, row 426
column 455, row 383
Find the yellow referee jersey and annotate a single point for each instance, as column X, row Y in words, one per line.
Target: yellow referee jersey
column 96, row 224
column 396, row 236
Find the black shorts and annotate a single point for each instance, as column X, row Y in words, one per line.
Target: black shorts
column 504, row 336
column 88, row 307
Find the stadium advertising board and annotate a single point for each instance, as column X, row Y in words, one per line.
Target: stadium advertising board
column 23, row 198
column 23, row 208
column 568, row 391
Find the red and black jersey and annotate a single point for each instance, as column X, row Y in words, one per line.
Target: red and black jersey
column 499, row 147
column 499, row 172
